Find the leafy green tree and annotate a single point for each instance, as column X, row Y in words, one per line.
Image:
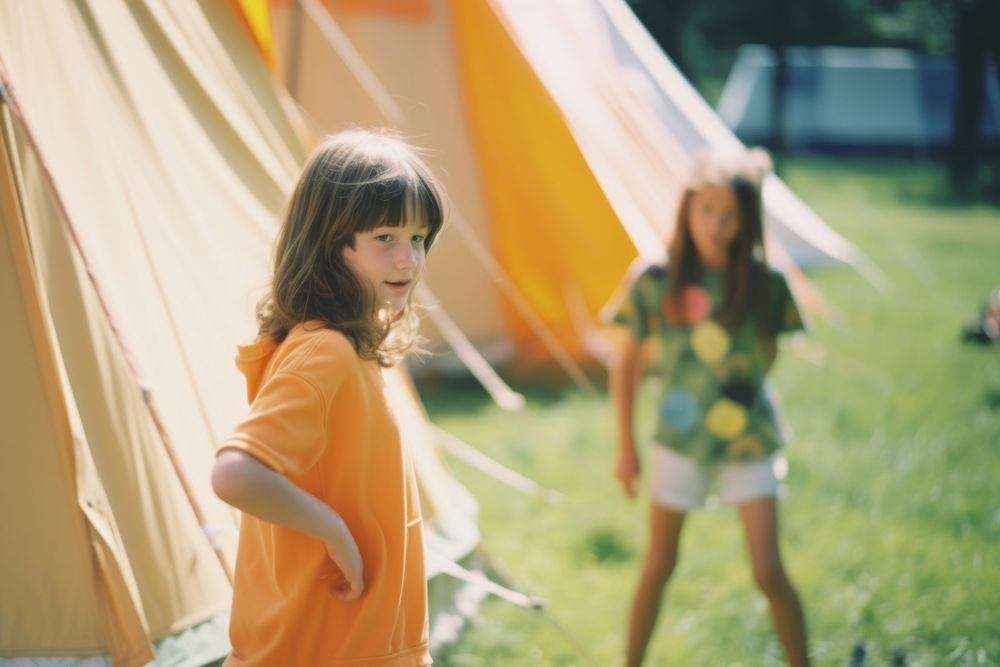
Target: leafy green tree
column 977, row 36
column 701, row 37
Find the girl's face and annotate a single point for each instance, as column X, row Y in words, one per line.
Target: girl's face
column 713, row 222
column 390, row 260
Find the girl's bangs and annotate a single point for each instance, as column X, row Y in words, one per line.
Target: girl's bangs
column 398, row 198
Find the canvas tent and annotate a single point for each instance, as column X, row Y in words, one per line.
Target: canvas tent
column 856, row 99
column 563, row 133
column 146, row 152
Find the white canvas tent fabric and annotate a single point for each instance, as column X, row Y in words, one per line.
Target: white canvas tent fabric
column 841, row 98
column 668, row 121
column 146, row 154
column 495, row 89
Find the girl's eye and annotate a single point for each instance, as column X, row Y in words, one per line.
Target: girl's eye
column 418, row 238
column 384, row 237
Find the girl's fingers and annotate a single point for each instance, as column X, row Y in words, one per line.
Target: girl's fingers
column 344, row 592
column 627, row 473
column 357, row 582
column 628, row 484
column 344, row 583
column 347, row 591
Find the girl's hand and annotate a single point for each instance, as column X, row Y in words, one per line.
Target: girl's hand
column 346, row 556
column 627, row 470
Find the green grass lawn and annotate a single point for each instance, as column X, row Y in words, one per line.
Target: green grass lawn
column 891, row 520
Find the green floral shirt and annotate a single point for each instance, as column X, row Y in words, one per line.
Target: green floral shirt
column 714, row 406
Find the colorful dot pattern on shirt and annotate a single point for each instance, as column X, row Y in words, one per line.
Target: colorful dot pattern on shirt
column 726, row 419
column 695, row 306
column 713, row 405
column 746, row 447
column 679, row 409
column 710, row 342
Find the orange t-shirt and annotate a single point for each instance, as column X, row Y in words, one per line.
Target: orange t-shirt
column 318, row 415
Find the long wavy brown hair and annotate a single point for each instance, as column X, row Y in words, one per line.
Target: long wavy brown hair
column 353, row 182
column 745, row 291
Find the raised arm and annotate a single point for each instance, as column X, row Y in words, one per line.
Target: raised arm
column 624, row 380
column 250, row 486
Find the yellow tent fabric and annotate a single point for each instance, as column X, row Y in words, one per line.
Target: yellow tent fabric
column 564, row 135
column 132, row 166
column 414, row 10
column 171, row 162
column 103, row 552
column 140, row 190
column 551, row 225
column 516, row 178
column 255, row 14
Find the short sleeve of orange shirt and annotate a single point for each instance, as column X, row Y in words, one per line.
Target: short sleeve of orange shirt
column 287, row 427
column 318, row 415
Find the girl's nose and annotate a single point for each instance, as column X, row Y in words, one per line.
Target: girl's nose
column 407, row 257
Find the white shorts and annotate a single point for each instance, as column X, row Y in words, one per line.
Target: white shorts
column 680, row 483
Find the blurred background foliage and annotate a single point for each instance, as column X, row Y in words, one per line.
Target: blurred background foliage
column 701, row 36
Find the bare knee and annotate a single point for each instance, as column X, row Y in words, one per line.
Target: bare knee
column 771, row 578
column 658, row 568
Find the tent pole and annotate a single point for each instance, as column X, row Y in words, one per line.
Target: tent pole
column 182, row 477
column 380, row 95
column 294, row 61
column 340, row 43
column 500, row 573
column 506, row 285
column 497, row 471
column 503, row 395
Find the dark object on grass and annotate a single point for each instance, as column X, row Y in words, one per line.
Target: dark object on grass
column 987, row 328
column 859, row 654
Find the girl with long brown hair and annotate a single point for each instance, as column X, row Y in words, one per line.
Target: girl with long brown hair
column 330, row 563
column 715, row 311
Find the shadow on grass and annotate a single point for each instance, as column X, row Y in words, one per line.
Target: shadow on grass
column 605, row 547
column 541, row 386
column 992, row 399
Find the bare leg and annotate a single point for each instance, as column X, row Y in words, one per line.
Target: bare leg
column 664, row 536
column 760, row 520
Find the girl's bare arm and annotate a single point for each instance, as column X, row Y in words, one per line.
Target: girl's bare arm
column 624, row 375
column 250, row 486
